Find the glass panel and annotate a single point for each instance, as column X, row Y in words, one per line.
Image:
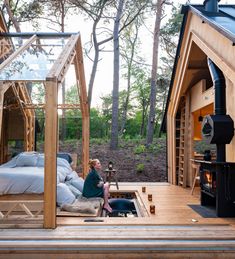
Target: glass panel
column 34, row 63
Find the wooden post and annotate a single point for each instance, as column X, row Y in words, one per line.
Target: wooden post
column 187, row 139
column 81, row 83
column 51, row 124
column 29, row 116
column 3, row 88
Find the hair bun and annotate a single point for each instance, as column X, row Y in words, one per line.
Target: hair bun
column 92, row 163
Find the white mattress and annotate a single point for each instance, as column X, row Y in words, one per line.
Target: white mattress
column 25, row 174
column 21, row 180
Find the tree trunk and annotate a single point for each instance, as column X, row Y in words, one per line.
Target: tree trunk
column 144, row 112
column 125, row 106
column 142, row 121
column 114, row 127
column 11, row 16
column 97, row 52
column 153, row 91
column 163, row 109
column 95, row 62
column 63, row 121
column 130, row 61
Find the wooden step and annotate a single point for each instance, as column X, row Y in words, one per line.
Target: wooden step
column 115, row 241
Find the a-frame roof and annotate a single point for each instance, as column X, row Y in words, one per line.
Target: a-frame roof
column 38, row 58
column 222, row 21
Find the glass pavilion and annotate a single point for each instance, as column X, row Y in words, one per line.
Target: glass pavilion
column 42, row 58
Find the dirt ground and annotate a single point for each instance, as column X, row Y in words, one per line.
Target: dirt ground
column 128, row 157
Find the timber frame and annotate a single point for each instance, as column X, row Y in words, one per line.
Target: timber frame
column 71, row 54
column 191, row 86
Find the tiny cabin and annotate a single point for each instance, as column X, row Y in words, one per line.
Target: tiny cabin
column 206, row 44
column 163, row 223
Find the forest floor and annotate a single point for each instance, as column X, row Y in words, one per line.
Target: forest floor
column 130, row 155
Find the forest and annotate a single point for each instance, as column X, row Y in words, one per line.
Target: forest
column 131, row 112
column 135, row 111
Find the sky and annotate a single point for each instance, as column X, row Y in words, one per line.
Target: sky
column 104, row 77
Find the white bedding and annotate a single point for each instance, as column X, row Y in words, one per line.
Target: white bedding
column 25, row 174
column 21, row 180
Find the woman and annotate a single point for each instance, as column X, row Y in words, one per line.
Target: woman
column 94, row 185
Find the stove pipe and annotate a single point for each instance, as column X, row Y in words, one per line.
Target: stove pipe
column 211, row 5
column 220, row 102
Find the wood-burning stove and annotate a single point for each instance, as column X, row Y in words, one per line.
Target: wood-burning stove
column 218, row 177
column 208, row 181
column 217, row 181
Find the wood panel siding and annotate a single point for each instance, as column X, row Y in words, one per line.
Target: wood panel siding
column 200, row 41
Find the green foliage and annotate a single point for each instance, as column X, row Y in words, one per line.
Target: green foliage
column 98, row 125
column 140, row 167
column 169, row 36
column 154, row 148
column 97, row 141
column 23, row 11
column 140, row 149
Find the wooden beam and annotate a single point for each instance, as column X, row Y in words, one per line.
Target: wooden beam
column 223, row 64
column 18, row 52
column 16, row 90
column 187, row 138
column 51, row 126
column 59, row 106
column 81, row 84
column 3, row 89
column 63, row 62
column 30, row 114
column 5, row 48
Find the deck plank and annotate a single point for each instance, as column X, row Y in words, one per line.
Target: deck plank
column 170, row 233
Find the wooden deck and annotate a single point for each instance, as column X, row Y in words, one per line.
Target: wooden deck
column 175, row 231
column 171, row 205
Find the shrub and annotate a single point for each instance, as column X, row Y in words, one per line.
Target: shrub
column 140, row 168
column 97, row 141
column 154, row 147
column 140, row 149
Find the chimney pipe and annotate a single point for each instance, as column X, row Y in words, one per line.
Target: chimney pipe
column 220, row 101
column 211, row 5
column 219, row 85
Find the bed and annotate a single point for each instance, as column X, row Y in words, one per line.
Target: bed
column 22, row 184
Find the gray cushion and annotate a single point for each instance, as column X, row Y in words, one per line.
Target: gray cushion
column 27, row 159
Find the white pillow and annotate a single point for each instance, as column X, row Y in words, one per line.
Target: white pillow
column 27, row 159
column 64, row 195
column 77, row 183
column 40, row 162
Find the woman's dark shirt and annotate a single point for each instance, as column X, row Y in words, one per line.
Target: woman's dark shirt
column 90, row 188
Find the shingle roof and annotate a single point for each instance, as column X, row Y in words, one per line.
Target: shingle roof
column 222, row 21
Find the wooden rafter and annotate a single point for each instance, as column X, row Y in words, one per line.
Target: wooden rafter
column 81, row 84
column 31, row 106
column 18, row 52
column 62, row 64
column 59, row 106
